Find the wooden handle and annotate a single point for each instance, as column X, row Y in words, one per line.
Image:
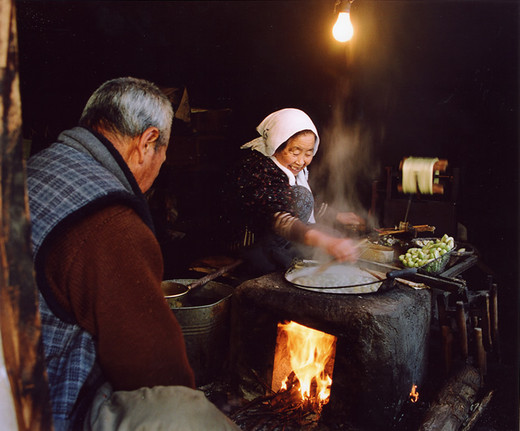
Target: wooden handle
column 213, row 275
column 439, row 165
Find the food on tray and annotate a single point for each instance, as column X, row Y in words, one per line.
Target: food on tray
column 428, row 251
column 334, row 276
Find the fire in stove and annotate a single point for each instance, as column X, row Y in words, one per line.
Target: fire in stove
column 414, row 395
column 303, row 365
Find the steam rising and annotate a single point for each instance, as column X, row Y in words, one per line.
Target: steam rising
column 346, row 168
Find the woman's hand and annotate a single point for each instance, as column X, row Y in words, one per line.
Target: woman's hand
column 347, row 218
column 341, row 249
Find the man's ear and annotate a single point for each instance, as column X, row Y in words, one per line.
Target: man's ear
column 147, row 141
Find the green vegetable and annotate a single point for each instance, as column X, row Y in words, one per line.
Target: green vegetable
column 429, row 251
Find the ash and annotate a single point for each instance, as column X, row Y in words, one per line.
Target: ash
column 254, row 407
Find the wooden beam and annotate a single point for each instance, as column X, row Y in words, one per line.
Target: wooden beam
column 19, row 318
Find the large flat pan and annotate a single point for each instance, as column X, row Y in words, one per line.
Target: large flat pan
column 340, row 279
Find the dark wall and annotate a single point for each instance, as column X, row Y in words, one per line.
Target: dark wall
column 423, row 78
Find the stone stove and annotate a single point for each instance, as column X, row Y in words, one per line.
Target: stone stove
column 381, row 350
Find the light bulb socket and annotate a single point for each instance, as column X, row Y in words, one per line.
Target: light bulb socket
column 342, row 6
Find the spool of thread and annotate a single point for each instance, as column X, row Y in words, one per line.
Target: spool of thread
column 418, row 175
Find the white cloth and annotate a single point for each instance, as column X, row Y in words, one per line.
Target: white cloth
column 161, row 408
column 301, row 180
column 279, row 126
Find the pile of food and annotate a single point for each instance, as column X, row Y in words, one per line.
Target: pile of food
column 428, row 253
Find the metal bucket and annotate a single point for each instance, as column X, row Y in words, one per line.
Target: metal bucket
column 204, row 317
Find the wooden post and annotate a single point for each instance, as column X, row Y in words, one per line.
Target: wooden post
column 494, row 321
column 486, row 324
column 441, row 309
column 447, row 344
column 480, row 352
column 19, row 318
column 461, row 325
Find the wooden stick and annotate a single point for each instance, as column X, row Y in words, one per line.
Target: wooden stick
column 412, row 284
column 377, row 274
column 324, row 266
column 437, row 189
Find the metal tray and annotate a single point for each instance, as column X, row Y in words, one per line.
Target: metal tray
column 301, row 274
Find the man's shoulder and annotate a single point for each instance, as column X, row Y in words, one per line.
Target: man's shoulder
column 111, row 222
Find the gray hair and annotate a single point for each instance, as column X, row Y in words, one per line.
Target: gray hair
column 129, row 106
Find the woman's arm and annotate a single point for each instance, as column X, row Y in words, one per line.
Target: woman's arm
column 341, row 249
column 292, row 229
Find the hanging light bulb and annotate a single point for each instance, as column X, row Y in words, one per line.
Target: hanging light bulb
column 343, row 30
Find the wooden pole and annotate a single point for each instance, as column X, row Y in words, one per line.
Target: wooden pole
column 19, row 318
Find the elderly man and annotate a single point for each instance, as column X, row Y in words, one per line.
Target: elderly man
column 114, row 351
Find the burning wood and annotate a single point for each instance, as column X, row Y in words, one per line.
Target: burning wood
column 301, row 381
column 303, row 363
column 282, row 410
column 291, row 398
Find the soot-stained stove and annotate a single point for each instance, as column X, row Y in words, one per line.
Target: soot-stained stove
column 381, row 349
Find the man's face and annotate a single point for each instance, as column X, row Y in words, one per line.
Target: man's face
column 153, row 160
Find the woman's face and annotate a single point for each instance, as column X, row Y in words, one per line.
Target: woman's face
column 298, row 152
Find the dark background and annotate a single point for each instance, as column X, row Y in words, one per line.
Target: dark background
column 422, row 78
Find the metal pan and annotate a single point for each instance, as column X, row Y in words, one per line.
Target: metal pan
column 375, row 279
column 339, row 278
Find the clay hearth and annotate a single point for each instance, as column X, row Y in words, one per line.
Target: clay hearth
column 381, row 348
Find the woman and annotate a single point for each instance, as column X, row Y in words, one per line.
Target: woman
column 275, row 200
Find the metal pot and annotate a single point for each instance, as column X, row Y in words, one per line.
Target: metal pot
column 204, row 318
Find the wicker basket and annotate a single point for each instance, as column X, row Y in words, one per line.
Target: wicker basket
column 436, row 266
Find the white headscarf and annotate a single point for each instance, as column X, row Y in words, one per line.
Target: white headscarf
column 276, row 129
column 279, row 126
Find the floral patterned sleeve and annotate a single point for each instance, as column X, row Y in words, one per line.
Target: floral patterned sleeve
column 263, row 191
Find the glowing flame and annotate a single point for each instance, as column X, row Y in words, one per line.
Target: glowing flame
column 414, row 395
column 310, row 354
column 343, row 29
